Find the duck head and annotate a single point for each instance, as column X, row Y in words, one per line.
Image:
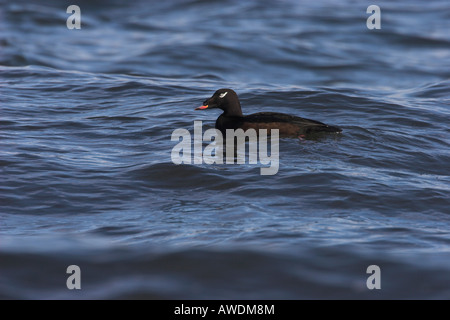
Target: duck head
column 225, row 99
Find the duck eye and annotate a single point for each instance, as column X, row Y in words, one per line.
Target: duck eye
column 223, row 94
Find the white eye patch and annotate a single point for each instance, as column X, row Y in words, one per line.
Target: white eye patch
column 223, row 94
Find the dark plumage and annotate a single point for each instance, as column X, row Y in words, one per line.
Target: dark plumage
column 232, row 118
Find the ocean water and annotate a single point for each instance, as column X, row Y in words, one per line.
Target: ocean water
column 87, row 179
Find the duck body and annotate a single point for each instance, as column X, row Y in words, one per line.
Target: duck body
column 288, row 125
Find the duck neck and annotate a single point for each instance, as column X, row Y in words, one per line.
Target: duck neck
column 233, row 110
